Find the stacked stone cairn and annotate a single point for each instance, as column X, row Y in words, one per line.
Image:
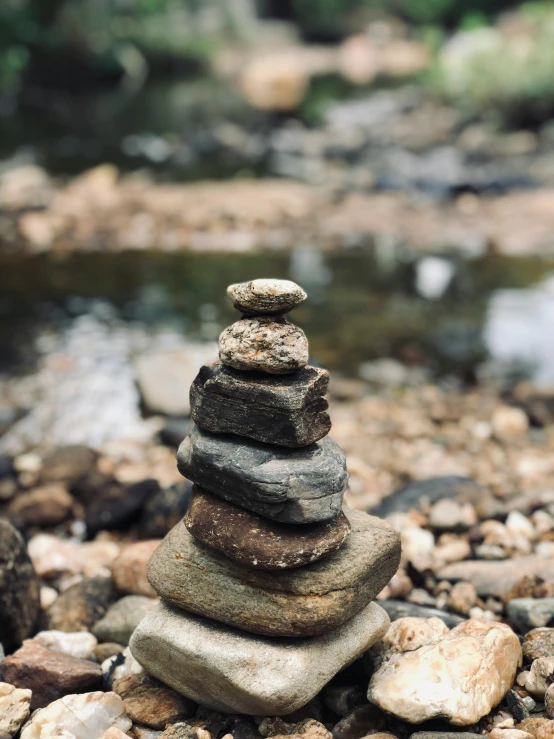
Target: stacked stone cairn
column 267, row 585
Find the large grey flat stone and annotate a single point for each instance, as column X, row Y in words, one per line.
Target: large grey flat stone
column 288, row 410
column 227, row 670
column 289, row 485
column 307, row 601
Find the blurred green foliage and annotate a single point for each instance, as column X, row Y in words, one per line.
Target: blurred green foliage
column 507, row 70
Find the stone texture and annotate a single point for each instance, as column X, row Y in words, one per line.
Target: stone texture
column 293, row 486
column 538, row 677
column 54, row 557
column 288, row 410
column 539, row 727
column 104, row 651
column 80, row 644
column 228, row 670
column 121, row 665
column 265, row 296
column 85, row 716
column 406, row 635
column 360, row 722
column 530, row 613
column 342, row 699
column 118, row 505
column 48, row 505
column 80, row 606
column 460, row 678
column 269, row 344
column 14, row 708
column 129, row 569
column 302, row 602
column 258, row 542
column 498, row 578
column 307, row 729
column 538, row 643
column 122, row 618
column 19, row 589
column 151, row 703
column 49, row 674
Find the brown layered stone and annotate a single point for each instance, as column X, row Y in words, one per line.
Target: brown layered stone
column 258, row 542
column 306, row 601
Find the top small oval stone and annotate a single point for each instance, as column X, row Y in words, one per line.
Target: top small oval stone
column 266, row 296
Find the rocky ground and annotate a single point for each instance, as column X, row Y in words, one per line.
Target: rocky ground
column 463, row 475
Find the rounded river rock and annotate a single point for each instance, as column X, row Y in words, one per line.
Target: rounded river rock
column 265, row 296
column 258, row 542
column 268, row 344
column 290, row 485
column 308, row 601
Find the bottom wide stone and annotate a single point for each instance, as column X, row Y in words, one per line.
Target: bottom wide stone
column 229, row 670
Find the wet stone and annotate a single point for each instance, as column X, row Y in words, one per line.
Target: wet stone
column 307, row 601
column 19, row 589
column 288, row 410
column 49, row 674
column 258, row 542
column 293, row 486
column 270, row 344
column 265, row 296
column 228, row 670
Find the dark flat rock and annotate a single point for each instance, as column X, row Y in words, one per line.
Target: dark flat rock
column 290, row 485
column 288, row 410
column 258, row 542
column 307, row 601
column 401, row 609
column 429, row 491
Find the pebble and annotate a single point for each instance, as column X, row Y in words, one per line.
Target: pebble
column 49, row 674
column 538, row 677
column 53, row 557
column 118, row 505
column 19, row 589
column 122, row 618
column 360, row 722
column 151, row 703
column 258, row 542
column 121, row 665
column 102, row 652
column 462, row 598
column 539, row 727
column 307, row 729
column 86, row 716
column 342, row 699
column 538, row 643
column 530, row 613
column 47, row 596
column 293, row 486
column 288, row 410
column 129, row 568
column 428, row 491
column 226, row 670
column 265, row 296
column 301, row 602
column 509, row 423
column 163, row 510
column 460, row 678
column 44, row 506
column 498, row 578
column 269, row 344
column 406, row 635
column 80, row 644
column 15, row 708
column 450, row 515
column 400, row 609
column 68, row 464
column 164, row 375
column 80, row 606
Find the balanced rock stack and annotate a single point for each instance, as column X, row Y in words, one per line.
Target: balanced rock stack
column 267, row 586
